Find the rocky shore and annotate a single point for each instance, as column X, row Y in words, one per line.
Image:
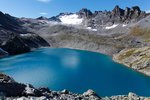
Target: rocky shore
column 135, row 58
column 89, row 95
column 12, row 90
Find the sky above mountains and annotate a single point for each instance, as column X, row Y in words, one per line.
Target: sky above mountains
column 48, row 8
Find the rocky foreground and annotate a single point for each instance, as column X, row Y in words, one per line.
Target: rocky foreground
column 12, row 90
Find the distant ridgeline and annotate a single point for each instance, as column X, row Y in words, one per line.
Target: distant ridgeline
column 20, row 35
column 98, row 18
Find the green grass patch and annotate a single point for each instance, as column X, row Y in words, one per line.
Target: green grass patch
column 126, row 54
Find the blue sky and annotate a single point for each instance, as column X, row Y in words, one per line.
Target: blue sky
column 48, row 8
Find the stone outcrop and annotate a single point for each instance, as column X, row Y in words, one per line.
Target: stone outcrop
column 136, row 58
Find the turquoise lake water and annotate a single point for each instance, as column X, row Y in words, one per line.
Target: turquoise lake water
column 76, row 71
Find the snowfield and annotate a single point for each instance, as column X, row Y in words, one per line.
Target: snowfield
column 111, row 27
column 124, row 25
column 72, row 19
column 92, row 29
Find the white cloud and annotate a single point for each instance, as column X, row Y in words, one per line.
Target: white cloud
column 45, row 1
column 43, row 13
column 147, row 11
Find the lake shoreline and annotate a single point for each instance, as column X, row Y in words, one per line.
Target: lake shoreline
column 29, row 92
column 131, row 60
column 112, row 56
column 103, row 98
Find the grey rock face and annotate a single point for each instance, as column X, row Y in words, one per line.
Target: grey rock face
column 15, row 39
column 117, row 15
column 15, row 46
column 85, row 13
column 117, row 11
column 56, row 19
column 8, row 87
column 3, row 53
column 8, row 22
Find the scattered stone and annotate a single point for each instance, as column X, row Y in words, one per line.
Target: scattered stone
column 65, row 91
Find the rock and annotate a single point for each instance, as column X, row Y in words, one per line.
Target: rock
column 133, row 96
column 90, row 93
column 8, row 22
column 8, row 87
column 15, row 46
column 85, row 13
column 135, row 12
column 22, row 44
column 3, row 53
column 44, row 90
column 31, row 91
column 127, row 12
column 6, row 79
column 55, row 19
column 65, row 91
column 117, row 11
column 16, row 39
column 136, row 58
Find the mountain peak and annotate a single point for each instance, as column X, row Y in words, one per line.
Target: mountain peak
column 128, row 13
column 84, row 12
column 42, row 18
column 118, row 11
column 136, row 8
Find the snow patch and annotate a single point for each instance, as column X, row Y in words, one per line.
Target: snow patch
column 92, row 29
column 124, row 25
column 111, row 27
column 71, row 19
column 48, row 22
column 25, row 34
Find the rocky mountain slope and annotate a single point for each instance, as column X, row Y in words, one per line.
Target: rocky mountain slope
column 101, row 31
column 12, row 90
column 14, row 39
column 100, row 21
